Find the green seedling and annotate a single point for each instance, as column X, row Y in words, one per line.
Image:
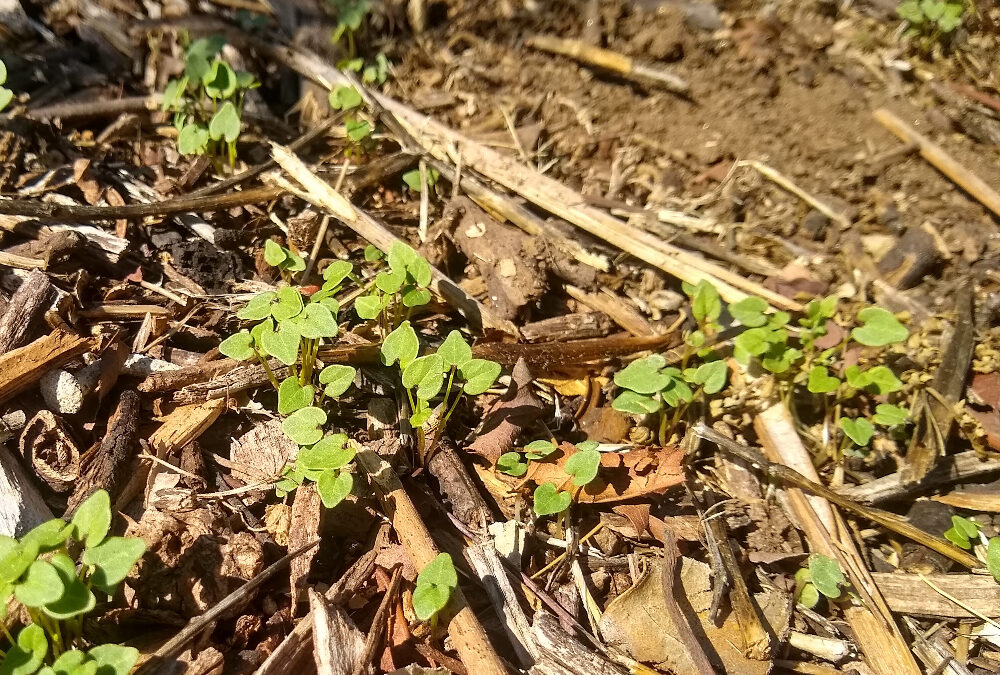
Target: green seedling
column 398, row 289
column 821, row 578
column 930, row 20
column 323, row 461
column 435, row 584
column 993, row 557
column 963, row 532
column 56, row 592
column 549, row 500
column 582, row 467
column 207, row 101
column 350, row 15
column 412, row 178
column 6, row 95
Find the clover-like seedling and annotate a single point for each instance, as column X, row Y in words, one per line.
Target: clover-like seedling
column 877, row 380
column 539, row 449
column 648, row 385
column 6, row 95
column 822, row 578
column 820, row 381
column 412, row 178
column 32, row 650
column 405, row 282
column 345, row 98
column 39, row 573
column 548, row 500
column 880, row 328
column 859, row 430
column 511, row 464
column 889, row 415
column 930, row 18
column 350, row 15
column 435, row 584
column 583, row 464
column 963, row 532
column 993, row 557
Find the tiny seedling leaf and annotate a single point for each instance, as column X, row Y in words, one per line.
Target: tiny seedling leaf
column 345, row 98
column 225, row 124
column 51, row 534
column 238, row 346
column 258, row 308
column 750, row 311
column 644, row 376
column 705, row 302
column 880, row 328
column 331, row 452
column 429, row 599
column 283, row 344
column 826, row 575
column 17, row 560
column 539, row 449
column 808, row 595
column 711, row 376
column 92, row 519
column 357, row 129
column 114, row 659
column 400, row 345
column 113, row 560
column 583, row 466
column 274, row 253
column 288, row 303
column 337, row 379
column 336, row 272
column 415, row 297
column 333, row 486
column 440, row 572
column 859, row 430
column 636, row 404
column 369, row 307
column 455, row 350
column 821, row 382
column 293, row 396
column 305, row 426
column 67, row 662
column 315, row 321
column 890, row 415
column 549, row 500
column 479, row 375
column 426, row 373
column 390, row 281
column 25, row 657
column 510, row 463
column 41, row 585
column 993, row 557
column 192, row 139
column 76, row 598
column 969, row 528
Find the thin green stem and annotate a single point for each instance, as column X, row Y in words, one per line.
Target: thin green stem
column 267, row 369
column 662, row 435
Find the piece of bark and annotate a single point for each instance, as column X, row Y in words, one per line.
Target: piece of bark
column 21, row 368
column 306, row 525
column 457, row 487
column 964, row 466
column 568, row 327
column 173, row 380
column 909, row 594
column 338, row 645
column 517, row 408
column 673, row 595
column 559, row 647
column 54, row 455
column 21, row 504
column 488, row 566
column 26, row 307
column 111, row 467
column 915, row 255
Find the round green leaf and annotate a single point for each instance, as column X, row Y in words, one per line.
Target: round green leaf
column 711, row 376
column 3, row 73
column 68, row 662
column 17, row 561
column 705, row 302
column 643, row 376
column 25, row 657
column 331, row 452
column 92, row 519
column 114, row 659
column 548, row 500
column 334, row 486
column 113, row 560
column 337, row 378
column 51, row 534
column 305, row 426
column 292, row 396
column 6, row 96
column 479, row 375
column 369, row 307
column 283, row 344
column 274, row 253
column 238, row 346
column 336, row 272
column 192, row 139
column 889, row 415
column 400, row 345
column 430, row 599
column 76, row 598
column 993, row 558
column 808, row 595
column 315, row 321
column 288, row 304
column 880, row 328
column 400, row 256
column 426, row 373
column 750, row 311
column 821, row 382
column 225, row 124
column 539, row 449
column 455, row 350
column 41, row 585
column 636, row 404
column 220, row 82
column 439, row 572
column 372, row 253
column 510, row 463
column 420, row 270
column 345, row 98
column 826, row 575
column 357, row 129
column 390, row 281
column 415, row 297
column 859, row 430
column 583, row 466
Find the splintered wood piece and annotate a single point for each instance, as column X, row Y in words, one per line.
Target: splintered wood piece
column 941, row 160
column 909, row 594
column 467, row 633
column 322, row 194
column 52, row 451
column 113, row 465
column 950, row 469
column 338, row 645
column 306, row 526
column 21, row 504
column 620, row 312
column 26, row 306
column 23, row 367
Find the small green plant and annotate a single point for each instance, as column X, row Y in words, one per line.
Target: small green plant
column 207, row 101
column 435, row 584
column 930, row 20
column 38, row 572
column 358, row 130
column 6, row 95
column 965, row 533
column 350, row 15
column 582, row 467
column 398, row 289
column 822, row 577
column 412, row 178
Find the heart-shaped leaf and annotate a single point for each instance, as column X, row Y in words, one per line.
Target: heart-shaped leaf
column 259, row 306
column 583, row 466
column 826, row 575
column 368, row 307
column 439, row 572
column 419, row 270
column 41, row 585
column 345, row 98
column 293, row 396
column 539, row 449
column 305, row 426
column 114, row 659
column 238, row 346
column 331, row 452
column 880, row 328
column 455, row 350
column 390, row 281
column 479, row 375
column 6, row 96
column 859, row 430
column 17, row 560
column 643, row 376
column 192, row 139
column 52, row 534
column 429, row 599
column 889, row 415
column 993, row 557
column 510, row 463
column 881, row 380
column 400, row 256
column 808, row 596
column 112, row 560
column 288, row 303
column 334, row 486
column 274, row 253
column 415, row 297
column 421, row 413
column 315, row 321
column 636, row 404
column 3, row 73
column 68, row 661
column 548, row 500
column 225, row 124
column 711, row 376
column 25, row 657
column 92, row 519
column 426, row 373
column 337, row 378
column 336, row 272
column 220, row 82
column 76, row 599
column 400, row 345
column 750, row 311
column 283, row 344
column 820, row 381
column 357, row 129
column 705, row 302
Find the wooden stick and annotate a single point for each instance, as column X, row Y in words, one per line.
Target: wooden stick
column 467, row 634
column 21, row 504
column 320, row 193
column 941, row 160
column 951, row 469
column 26, row 306
column 23, row 367
column 786, row 183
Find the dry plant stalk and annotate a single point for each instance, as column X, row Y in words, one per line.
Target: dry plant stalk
column 23, row 367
